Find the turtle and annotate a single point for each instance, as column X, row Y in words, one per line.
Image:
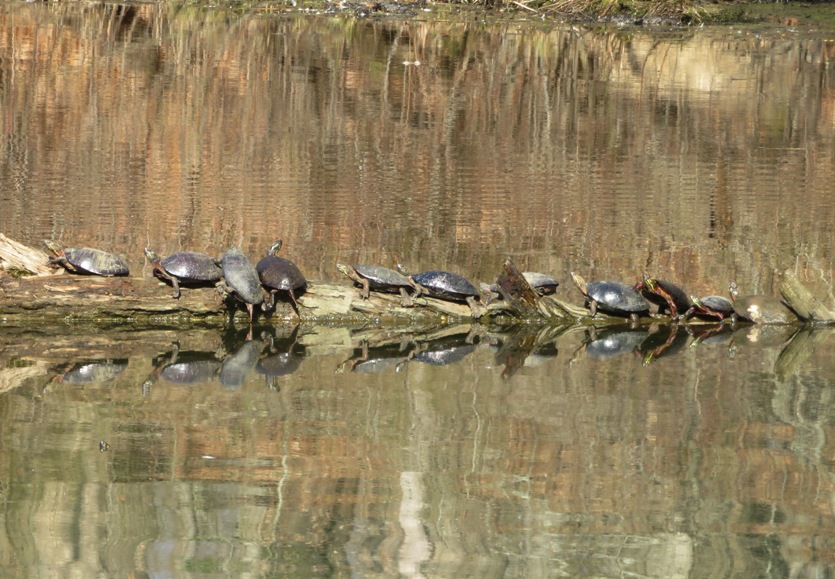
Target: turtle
column 86, row 260
column 185, row 267
column 710, row 306
column 445, row 285
column 379, row 278
column 371, row 360
column 280, row 274
column 183, row 367
column 241, row 279
column 760, row 309
column 612, row 297
column 667, row 340
column 664, row 294
column 541, row 283
column 237, row 366
column 93, row 371
column 613, row 341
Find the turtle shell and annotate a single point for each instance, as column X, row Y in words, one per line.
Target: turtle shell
column 382, row 278
column 96, row 261
column 241, row 276
column 445, row 285
column 714, row 306
column 678, row 295
column 763, row 310
column 280, row 273
column 543, row 284
column 615, row 297
column 192, row 265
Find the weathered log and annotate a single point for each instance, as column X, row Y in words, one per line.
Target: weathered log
column 522, row 301
column 17, row 258
column 50, row 297
column 807, row 305
column 120, row 299
column 517, row 292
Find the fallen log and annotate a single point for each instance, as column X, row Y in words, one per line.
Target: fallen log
column 47, row 297
column 51, row 295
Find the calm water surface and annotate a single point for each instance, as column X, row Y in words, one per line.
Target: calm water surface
column 700, row 156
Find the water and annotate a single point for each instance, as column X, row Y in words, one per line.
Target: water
column 699, row 156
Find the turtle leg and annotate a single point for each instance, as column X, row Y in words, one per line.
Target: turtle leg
column 295, row 303
column 593, row 308
column 269, row 301
column 62, row 260
column 671, row 304
column 176, row 283
column 405, row 298
column 364, row 294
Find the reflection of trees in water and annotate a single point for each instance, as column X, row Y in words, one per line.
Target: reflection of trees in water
column 211, row 129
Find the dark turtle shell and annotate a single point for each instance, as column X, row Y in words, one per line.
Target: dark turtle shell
column 89, row 260
column 241, row 277
column 657, row 291
column 541, row 283
column 615, row 297
column 711, row 306
column 445, row 285
column 280, row 274
column 192, row 266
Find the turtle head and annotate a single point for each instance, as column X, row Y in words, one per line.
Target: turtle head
column 403, row 270
column 152, row 257
column 733, row 289
column 579, row 282
column 54, row 246
column 650, row 283
column 696, row 301
column 275, row 247
column 344, row 269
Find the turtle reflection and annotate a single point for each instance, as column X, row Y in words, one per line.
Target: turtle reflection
column 184, row 367
column 243, row 359
column 366, row 359
column 92, row 371
column 611, row 341
column 444, row 351
column 284, row 357
column 525, row 347
column 710, row 334
column 667, row 340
